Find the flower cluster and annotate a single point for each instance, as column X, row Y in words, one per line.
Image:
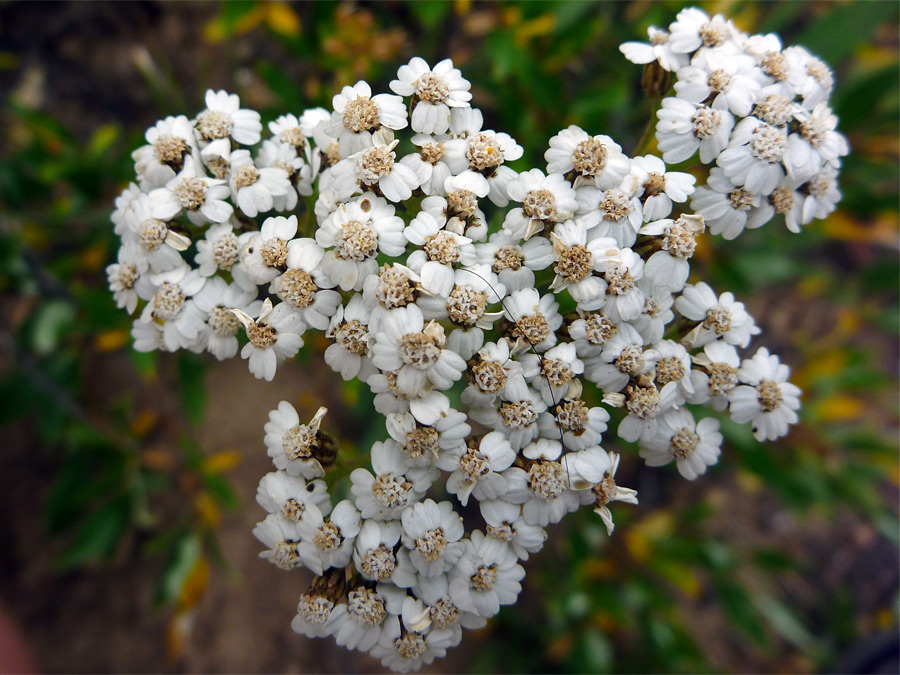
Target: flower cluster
column 755, row 109
column 499, row 317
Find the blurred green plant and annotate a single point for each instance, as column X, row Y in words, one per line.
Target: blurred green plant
column 116, row 462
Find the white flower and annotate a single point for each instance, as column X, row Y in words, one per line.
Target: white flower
column 224, row 118
column 426, row 409
column 393, row 286
column 485, row 578
column 644, row 402
column 170, row 140
column 282, row 537
column 594, row 160
column 358, row 115
column 493, row 373
column 216, row 300
column 416, row 352
column 753, row 156
column 552, row 372
column 576, row 261
column 254, row 189
column 148, row 336
column 359, row 623
column 300, row 174
column 594, row 468
column 203, row 198
column 440, row 252
column 430, row 171
column 410, row 649
column 458, row 209
column 173, row 306
column 720, row 317
column 357, row 231
column 394, row 486
column 328, row 543
column 815, row 87
column 484, row 153
column 657, row 312
column 122, row 277
column 534, row 318
column 217, row 250
column 716, row 376
column 350, row 355
column 124, row 203
column 823, row 194
column 312, row 120
column 274, row 336
column 660, row 187
column 672, row 365
column 658, row 49
column 546, row 200
column 517, row 417
column 624, row 298
column 515, row 263
column 612, row 213
column 288, row 496
column 314, row 609
column 685, row 127
column 782, row 71
column 693, row 445
column 590, row 332
column 295, row 447
column 263, row 255
column 506, row 529
column 574, row 423
column 434, row 91
column 440, row 613
column 286, row 129
column 423, row 444
column 766, row 399
column 693, row 29
column 789, row 202
column 373, row 555
column 374, row 168
column 728, row 208
column 815, row 144
column 476, row 468
column 431, row 533
column 621, row 357
column 304, row 285
column 669, row 267
column 543, row 490
column 729, row 77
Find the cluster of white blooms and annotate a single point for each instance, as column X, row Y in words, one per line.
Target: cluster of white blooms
column 756, row 110
column 497, row 316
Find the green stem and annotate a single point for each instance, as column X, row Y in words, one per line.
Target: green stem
column 646, row 139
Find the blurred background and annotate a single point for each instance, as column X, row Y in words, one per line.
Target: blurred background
column 127, row 480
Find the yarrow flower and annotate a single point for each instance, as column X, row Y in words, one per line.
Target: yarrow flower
column 495, row 338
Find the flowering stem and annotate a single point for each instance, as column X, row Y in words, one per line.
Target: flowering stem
column 647, row 136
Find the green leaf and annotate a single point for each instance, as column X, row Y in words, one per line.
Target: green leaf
column 739, row 608
column 187, row 551
column 220, row 488
column 594, row 653
column 430, row 13
column 53, row 319
column 98, row 535
column 787, row 624
column 840, row 32
column 191, row 371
